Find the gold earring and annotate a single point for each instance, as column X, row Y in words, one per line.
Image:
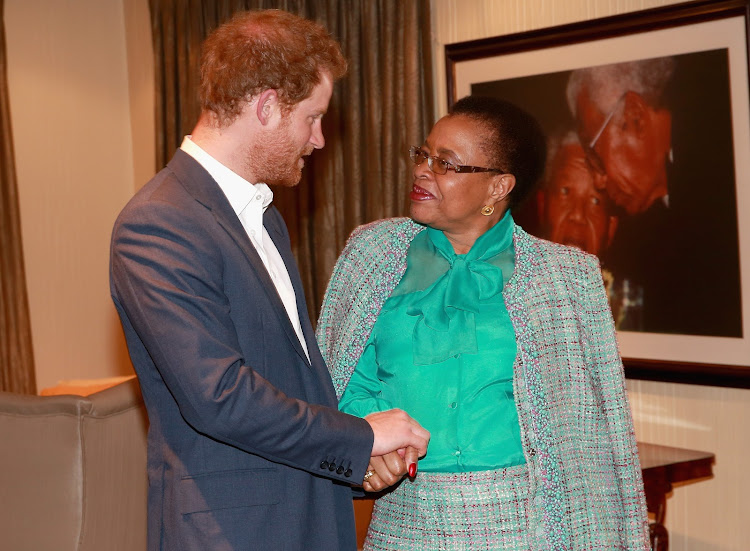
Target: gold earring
column 487, row 210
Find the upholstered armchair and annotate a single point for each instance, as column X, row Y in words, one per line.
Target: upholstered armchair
column 73, row 471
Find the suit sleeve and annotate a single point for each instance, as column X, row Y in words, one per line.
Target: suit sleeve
column 603, row 359
column 166, row 279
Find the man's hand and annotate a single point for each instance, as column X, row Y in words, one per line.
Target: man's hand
column 395, row 430
column 390, row 468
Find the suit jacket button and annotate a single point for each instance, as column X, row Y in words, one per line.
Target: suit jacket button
column 324, row 464
column 348, row 473
column 340, row 470
column 332, row 467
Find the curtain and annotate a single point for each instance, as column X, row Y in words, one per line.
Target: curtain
column 16, row 353
column 382, row 106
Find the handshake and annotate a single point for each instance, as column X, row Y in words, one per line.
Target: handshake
column 399, row 443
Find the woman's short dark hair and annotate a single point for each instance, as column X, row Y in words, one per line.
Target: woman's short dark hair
column 515, row 142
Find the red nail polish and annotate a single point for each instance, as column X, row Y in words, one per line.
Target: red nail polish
column 412, row 470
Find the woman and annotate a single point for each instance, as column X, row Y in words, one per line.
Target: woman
column 500, row 344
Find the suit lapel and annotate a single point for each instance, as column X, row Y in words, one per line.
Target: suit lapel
column 204, row 189
column 273, row 222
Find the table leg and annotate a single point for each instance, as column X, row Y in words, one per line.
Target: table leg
column 656, row 500
column 659, row 537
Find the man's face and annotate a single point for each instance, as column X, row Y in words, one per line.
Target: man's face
column 633, row 149
column 575, row 212
column 280, row 158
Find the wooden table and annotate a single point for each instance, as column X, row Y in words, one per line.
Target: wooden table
column 663, row 466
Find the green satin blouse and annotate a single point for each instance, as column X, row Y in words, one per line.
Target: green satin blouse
column 443, row 350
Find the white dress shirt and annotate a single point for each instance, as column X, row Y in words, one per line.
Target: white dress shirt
column 249, row 202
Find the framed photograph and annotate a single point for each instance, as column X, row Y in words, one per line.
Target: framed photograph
column 647, row 118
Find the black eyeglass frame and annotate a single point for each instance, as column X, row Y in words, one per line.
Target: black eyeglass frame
column 415, row 153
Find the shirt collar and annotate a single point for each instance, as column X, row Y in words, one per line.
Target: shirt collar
column 238, row 191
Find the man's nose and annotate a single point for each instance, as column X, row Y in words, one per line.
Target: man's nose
column 578, row 212
column 316, row 138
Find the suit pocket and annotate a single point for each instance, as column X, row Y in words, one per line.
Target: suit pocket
column 229, row 490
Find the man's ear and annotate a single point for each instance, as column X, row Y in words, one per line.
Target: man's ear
column 267, row 104
column 541, row 204
column 636, row 113
column 612, row 229
column 588, row 116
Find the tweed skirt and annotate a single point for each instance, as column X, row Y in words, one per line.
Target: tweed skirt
column 485, row 510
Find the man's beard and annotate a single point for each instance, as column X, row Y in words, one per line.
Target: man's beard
column 276, row 161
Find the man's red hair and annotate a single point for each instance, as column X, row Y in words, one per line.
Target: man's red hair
column 266, row 49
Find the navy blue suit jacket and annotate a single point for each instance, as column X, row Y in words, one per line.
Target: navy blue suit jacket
column 246, row 449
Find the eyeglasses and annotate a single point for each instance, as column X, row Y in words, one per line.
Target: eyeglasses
column 593, row 158
column 441, row 166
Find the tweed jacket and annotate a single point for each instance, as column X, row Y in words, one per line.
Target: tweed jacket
column 586, row 487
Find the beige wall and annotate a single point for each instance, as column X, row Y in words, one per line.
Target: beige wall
column 710, row 515
column 75, row 133
column 706, row 516
column 140, row 62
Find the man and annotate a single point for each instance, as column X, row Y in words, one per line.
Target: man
column 246, row 447
column 572, row 208
column 624, row 128
column 659, row 132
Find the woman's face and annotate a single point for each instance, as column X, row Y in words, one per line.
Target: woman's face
column 452, row 202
